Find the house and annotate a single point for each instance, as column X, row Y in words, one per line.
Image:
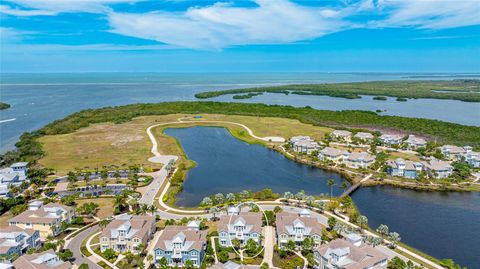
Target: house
column 14, row 175
column 333, row 154
column 390, row 139
column 438, row 169
column 15, row 241
column 473, row 158
column 179, row 244
column 363, row 136
column 344, row 254
column 244, row 226
column 228, row 265
column 403, row 168
column 341, row 135
column 414, row 142
column 46, row 219
column 453, row 152
column 359, row 160
column 297, row 227
column 303, row 144
column 127, row 232
column 45, row 260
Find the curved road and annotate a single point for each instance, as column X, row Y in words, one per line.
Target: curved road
column 74, row 246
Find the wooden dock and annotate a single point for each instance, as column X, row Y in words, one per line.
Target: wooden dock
column 355, row 186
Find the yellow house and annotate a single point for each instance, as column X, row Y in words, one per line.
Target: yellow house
column 46, row 219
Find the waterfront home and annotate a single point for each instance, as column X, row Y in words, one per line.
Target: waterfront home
column 453, row 153
column 14, row 175
column 363, row 136
column 303, row 144
column 46, row 219
column 244, row 226
column 228, row 265
column 403, row 168
column 343, row 254
column 333, row 154
column 341, row 135
column 179, row 244
column 359, row 160
column 15, row 241
column 473, row 158
column 127, row 233
column 390, row 139
column 297, row 227
column 44, row 260
column 438, row 169
column 414, row 142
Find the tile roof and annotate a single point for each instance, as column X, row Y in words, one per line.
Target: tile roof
column 253, row 221
column 45, row 214
column 356, row 257
column 285, row 223
column 190, row 238
column 39, row 261
column 136, row 226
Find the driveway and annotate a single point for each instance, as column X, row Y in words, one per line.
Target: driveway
column 74, row 246
column 269, row 243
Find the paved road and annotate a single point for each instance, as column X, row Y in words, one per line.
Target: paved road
column 269, row 243
column 152, row 189
column 74, row 246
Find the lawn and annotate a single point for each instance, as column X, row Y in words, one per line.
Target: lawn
column 411, row 157
column 105, row 205
column 4, row 219
column 125, row 144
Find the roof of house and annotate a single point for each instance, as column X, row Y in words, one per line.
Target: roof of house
column 39, row 261
column 45, row 214
column 341, row 133
column 300, row 138
column 333, row 151
column 409, row 165
column 361, row 156
column 227, row 265
column 286, row 222
column 135, row 226
column 190, row 238
column 19, row 164
column 415, row 140
column 306, row 143
column 437, row 165
column 252, row 221
column 452, row 149
column 356, row 257
column 363, row 135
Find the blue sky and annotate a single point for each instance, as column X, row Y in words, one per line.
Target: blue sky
column 240, row 36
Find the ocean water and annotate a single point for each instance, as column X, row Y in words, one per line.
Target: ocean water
column 38, row 99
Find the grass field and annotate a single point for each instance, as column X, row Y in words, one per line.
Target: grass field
column 105, row 206
column 127, row 143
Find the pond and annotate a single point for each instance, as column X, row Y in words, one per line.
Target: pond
column 226, row 164
column 443, row 225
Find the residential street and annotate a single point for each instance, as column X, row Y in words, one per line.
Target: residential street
column 74, row 246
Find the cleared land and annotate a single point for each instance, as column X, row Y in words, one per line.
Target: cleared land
column 106, row 205
column 127, row 143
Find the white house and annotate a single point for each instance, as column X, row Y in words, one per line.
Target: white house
column 438, row 169
column 14, row 175
column 342, row 135
column 414, row 142
column 297, row 227
column 244, row 226
column 359, row 160
column 303, row 144
column 453, row 152
column 333, row 154
column 390, row 139
column 363, row 136
column 473, row 158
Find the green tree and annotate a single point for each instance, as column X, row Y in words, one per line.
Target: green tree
column 382, row 230
column 223, row 256
column 330, row 183
column 83, row 266
column 189, row 265
column 65, row 255
column 396, row 263
column 362, row 221
column 331, row 222
column 394, row 239
column 290, row 246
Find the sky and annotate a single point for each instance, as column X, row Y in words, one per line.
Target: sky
column 239, row 36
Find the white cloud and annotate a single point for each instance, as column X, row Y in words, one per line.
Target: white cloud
column 222, row 25
column 53, row 7
column 430, row 14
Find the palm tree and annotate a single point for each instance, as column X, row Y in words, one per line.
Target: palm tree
column 362, row 221
column 153, row 209
column 330, row 183
column 214, row 210
column 310, row 200
column 376, row 241
column 394, row 239
column 382, row 230
column 103, row 223
column 230, row 197
column 288, row 195
column 207, row 201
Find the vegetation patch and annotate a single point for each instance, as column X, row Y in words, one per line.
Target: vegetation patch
column 459, row 89
column 246, row 96
column 4, row 106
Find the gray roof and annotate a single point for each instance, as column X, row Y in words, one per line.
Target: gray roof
column 189, row 238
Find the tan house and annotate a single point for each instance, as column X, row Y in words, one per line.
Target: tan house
column 297, row 227
column 44, row 260
column 438, row 169
column 359, row 160
column 342, row 135
column 127, row 232
column 46, row 219
column 364, row 136
column 344, row 254
column 333, row 154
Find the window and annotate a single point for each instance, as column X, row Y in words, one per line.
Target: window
column 194, row 253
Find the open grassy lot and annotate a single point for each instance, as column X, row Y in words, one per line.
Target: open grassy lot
column 411, row 157
column 125, row 144
column 105, row 205
column 4, row 219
